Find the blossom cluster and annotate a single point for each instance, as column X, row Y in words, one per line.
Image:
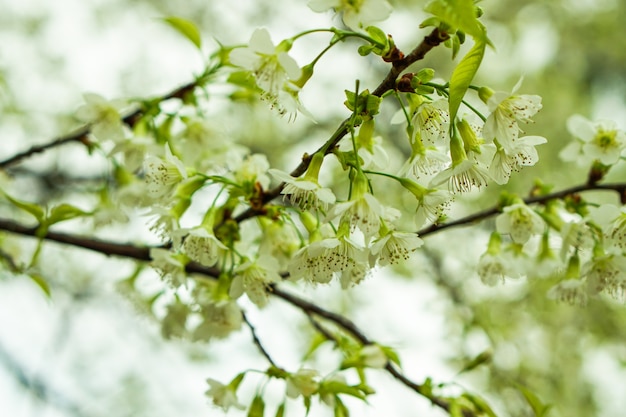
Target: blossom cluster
column 592, row 256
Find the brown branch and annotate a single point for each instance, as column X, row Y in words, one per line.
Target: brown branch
column 620, row 188
column 257, row 341
column 435, row 38
column 80, row 134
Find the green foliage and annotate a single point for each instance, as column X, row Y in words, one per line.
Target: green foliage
column 186, row 28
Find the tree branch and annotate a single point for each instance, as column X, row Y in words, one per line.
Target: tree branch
column 257, row 341
column 80, row 134
column 142, row 253
column 435, row 38
column 620, row 188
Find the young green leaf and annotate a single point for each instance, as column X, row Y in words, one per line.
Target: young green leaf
column 539, row 408
column 257, row 408
column 459, row 14
column 64, row 212
column 186, row 28
column 41, row 283
column 38, row 212
column 463, row 75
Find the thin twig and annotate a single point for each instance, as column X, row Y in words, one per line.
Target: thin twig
column 257, row 341
column 620, row 188
column 435, row 38
column 80, row 134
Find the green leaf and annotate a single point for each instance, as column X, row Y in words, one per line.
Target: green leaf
column 41, row 283
column 186, row 28
column 480, row 359
column 463, row 75
column 280, row 412
column 459, row 14
column 391, row 354
column 539, row 408
column 64, row 212
column 480, row 404
column 257, row 408
column 37, row 211
column 338, row 387
column 340, row 409
column 317, row 341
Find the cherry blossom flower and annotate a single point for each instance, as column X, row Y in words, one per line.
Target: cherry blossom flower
column 507, row 110
column 462, row 177
column 271, row 65
column 600, row 140
column 306, row 192
column 171, row 266
column 607, row 274
column 163, row 175
column 394, row 247
column 253, row 278
column 253, row 169
column 520, row 222
column 356, row 13
column 224, row 396
column 305, row 382
column 425, row 161
column 432, row 121
column 202, row 245
column 522, row 153
column 320, row 261
column 220, row 320
column 571, row 291
column 362, row 212
column 432, row 203
column 104, row 117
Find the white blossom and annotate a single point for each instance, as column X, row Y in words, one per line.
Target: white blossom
column 170, row 266
column 220, row 319
column 271, row 65
column 222, row 395
column 522, row 153
column 305, row 382
column 304, row 192
column 163, row 175
column 356, row 13
column 202, row 245
column 431, row 122
column 253, row 169
column 104, row 117
column 253, row 278
column 363, row 212
column 507, row 110
column 493, row 268
column 571, row 291
column 463, row 177
column 520, row 222
column 395, row 247
column 428, row 161
column 320, row 261
column 600, row 140
column 607, row 274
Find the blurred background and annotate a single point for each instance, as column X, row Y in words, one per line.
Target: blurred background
column 93, row 349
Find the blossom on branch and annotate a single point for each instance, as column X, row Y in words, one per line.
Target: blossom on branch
column 254, row 279
column 224, row 396
column 163, row 175
column 306, row 191
column 357, row 14
column 520, row 222
column 104, row 117
column 600, row 140
column 275, row 72
column 507, row 110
